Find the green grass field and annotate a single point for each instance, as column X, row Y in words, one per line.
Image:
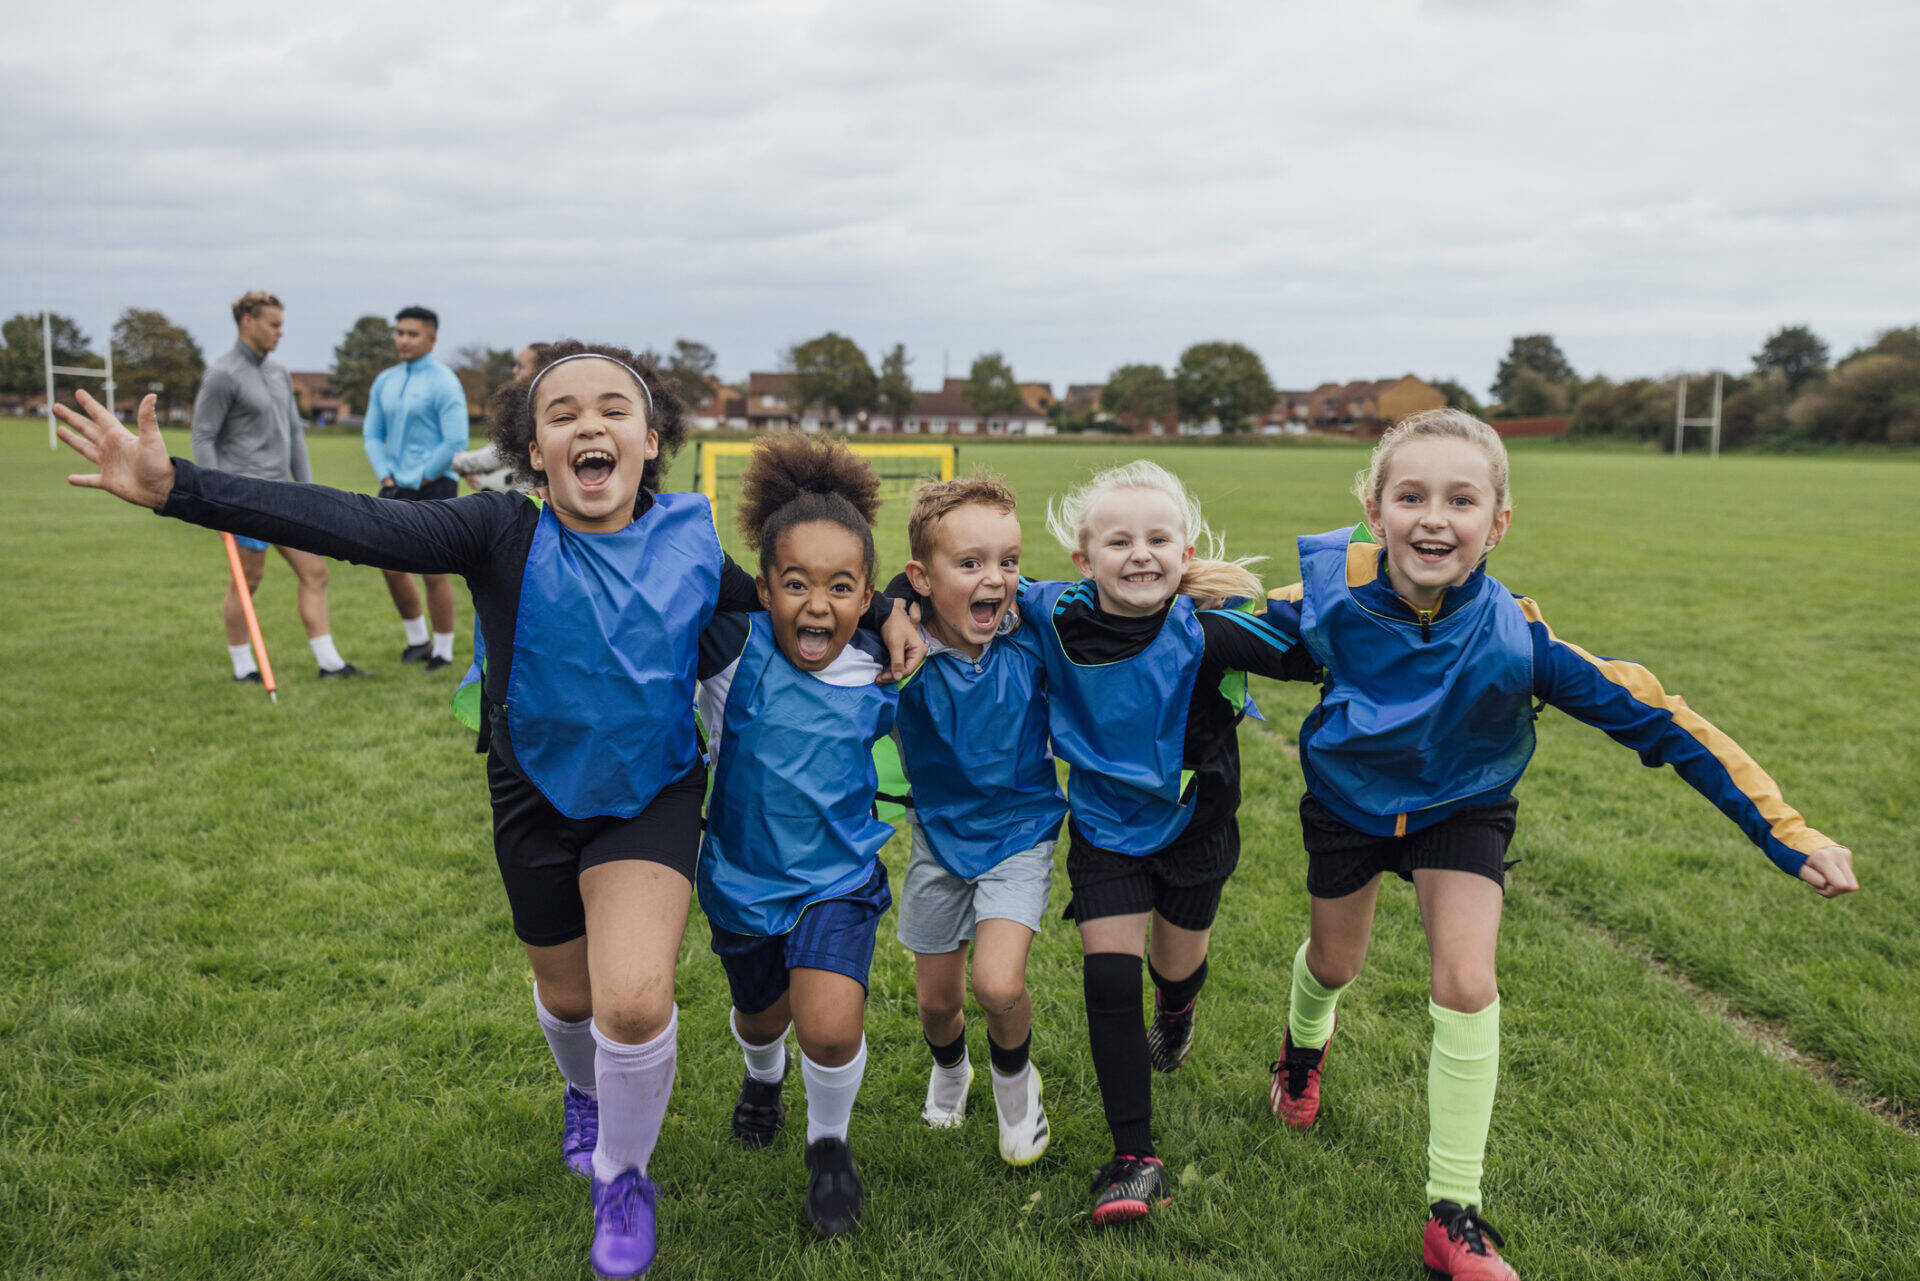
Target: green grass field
column 261, row 1012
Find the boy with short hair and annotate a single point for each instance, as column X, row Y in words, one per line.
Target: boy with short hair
column 972, row 728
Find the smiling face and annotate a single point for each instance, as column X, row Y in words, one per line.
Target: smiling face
column 260, row 330
column 1438, row 516
column 815, row 587
column 591, row 439
column 972, row 575
column 414, row 338
column 1134, row 547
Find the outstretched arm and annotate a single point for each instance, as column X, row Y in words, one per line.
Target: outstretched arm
column 450, row 537
column 1629, row 703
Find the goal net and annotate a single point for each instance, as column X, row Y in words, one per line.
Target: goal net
column 719, row 465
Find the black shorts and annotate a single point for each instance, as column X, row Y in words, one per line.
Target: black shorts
column 1342, row 859
column 1181, row 882
column 443, row 487
column 542, row 852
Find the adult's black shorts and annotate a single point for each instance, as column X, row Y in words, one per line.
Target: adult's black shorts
column 443, row 487
column 1342, row 859
column 542, row 852
column 1181, row 882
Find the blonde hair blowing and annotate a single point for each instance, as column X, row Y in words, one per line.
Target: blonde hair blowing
column 1209, row 576
column 1452, row 424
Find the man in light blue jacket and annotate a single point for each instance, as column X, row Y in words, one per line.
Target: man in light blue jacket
column 416, row 422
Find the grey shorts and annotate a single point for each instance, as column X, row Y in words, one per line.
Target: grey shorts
column 938, row 910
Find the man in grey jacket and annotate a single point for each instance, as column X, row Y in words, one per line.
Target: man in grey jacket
column 245, row 422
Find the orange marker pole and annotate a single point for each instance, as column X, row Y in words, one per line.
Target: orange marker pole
column 253, row 624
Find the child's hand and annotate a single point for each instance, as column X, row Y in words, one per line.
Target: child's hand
column 905, row 648
column 1830, row 871
column 135, row 468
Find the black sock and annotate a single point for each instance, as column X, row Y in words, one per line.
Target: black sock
column 1008, row 1062
column 1177, row 995
column 1119, row 1039
column 950, row 1055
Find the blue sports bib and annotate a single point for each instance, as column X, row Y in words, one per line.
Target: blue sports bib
column 599, row 710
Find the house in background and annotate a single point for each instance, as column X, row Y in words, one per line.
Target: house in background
column 1039, row 397
column 946, row 413
column 315, row 398
column 1365, row 407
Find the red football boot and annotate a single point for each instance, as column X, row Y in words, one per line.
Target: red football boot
column 1456, row 1247
column 1294, row 1095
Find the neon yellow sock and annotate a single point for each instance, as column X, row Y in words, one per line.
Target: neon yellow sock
column 1310, row 1008
column 1461, row 1076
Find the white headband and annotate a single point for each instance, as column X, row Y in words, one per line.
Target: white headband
column 591, row 355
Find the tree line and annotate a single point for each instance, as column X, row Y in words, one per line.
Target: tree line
column 1791, row 396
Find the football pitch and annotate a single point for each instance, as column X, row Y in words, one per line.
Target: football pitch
column 262, row 1013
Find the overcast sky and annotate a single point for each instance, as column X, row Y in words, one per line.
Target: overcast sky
column 1352, row 189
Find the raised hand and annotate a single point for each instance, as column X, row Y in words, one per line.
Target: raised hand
column 1829, row 870
column 132, row 467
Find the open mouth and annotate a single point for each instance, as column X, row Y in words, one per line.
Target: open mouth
column 593, row 468
column 984, row 612
column 1144, row 577
column 810, row 644
column 1433, row 551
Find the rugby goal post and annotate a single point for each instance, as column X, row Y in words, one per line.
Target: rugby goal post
column 1681, row 422
column 72, row 371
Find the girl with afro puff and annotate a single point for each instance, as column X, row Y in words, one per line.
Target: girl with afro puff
column 790, row 873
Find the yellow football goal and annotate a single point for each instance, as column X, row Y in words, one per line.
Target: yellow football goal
column 719, row 465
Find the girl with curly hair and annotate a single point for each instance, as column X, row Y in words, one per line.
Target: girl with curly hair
column 592, row 605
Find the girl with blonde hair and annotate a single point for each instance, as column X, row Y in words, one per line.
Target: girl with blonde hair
column 1431, row 671
column 1145, row 687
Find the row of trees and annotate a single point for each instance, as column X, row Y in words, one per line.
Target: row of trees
column 150, row 353
column 1790, row 396
column 1219, row 381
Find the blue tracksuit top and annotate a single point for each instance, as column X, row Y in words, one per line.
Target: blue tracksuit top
column 416, row 422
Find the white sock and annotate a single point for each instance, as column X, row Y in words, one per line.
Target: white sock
column 571, row 1043
column 830, row 1094
column 242, row 656
column 325, row 654
column 416, row 629
column 442, row 645
column 950, row 1083
column 1010, row 1093
column 635, row 1083
column 765, row 1063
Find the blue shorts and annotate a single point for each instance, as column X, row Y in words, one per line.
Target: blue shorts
column 835, row 934
column 251, row 544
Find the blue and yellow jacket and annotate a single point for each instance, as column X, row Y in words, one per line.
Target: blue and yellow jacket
column 1613, row 694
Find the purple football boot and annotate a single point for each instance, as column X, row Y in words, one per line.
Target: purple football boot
column 579, row 1131
column 623, row 1243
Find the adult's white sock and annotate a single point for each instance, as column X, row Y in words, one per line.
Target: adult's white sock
column 830, row 1094
column 571, row 1043
column 765, row 1063
column 416, row 629
column 635, row 1083
column 243, row 663
column 325, row 654
column 442, row 645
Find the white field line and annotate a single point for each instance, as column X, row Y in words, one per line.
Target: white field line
column 1768, row 1036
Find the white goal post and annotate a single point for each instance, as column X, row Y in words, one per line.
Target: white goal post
column 72, row 371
